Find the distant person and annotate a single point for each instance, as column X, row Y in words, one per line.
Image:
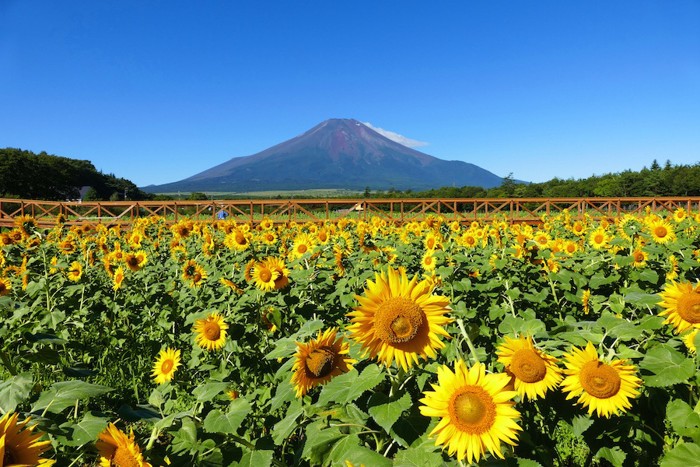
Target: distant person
column 221, row 215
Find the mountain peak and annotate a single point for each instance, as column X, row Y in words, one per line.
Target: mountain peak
column 336, row 153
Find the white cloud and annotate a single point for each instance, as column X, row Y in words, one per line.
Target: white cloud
column 411, row 143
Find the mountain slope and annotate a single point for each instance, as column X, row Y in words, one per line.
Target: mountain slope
column 337, row 153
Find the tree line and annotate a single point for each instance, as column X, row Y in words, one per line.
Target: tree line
column 24, row 174
column 669, row 180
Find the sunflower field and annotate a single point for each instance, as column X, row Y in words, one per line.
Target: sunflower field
column 353, row 343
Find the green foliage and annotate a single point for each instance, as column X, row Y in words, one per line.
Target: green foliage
column 24, row 174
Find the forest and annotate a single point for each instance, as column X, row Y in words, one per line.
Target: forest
column 24, row 174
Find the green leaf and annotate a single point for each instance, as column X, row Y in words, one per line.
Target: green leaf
column 580, row 424
column 347, row 387
column 349, row 449
column 684, row 420
column 284, row 393
column 14, row 391
column 185, row 439
column 615, row 456
column 319, row 441
column 386, row 412
column 262, row 458
column 65, row 394
column 227, row 422
column 206, row 392
column 284, row 427
column 683, row 455
column 642, row 299
column 419, row 456
column 667, row 365
column 87, row 429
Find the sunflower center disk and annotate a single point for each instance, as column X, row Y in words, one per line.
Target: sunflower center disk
column 472, row 410
column 123, row 458
column 689, row 307
column 240, row 239
column 398, row 320
column 528, row 366
column 265, row 275
column 661, row 231
column 320, row 361
column 166, row 366
column 600, row 380
column 212, row 331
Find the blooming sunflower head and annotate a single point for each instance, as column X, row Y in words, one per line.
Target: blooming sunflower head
column 475, row 410
column 5, row 286
column 639, row 258
column 210, row 332
column 661, row 231
column 316, row 362
column 193, row 273
column 264, row 276
column 681, row 305
column 19, row 444
column 135, row 260
column 165, row 365
column 116, row 448
column 604, row 388
column 277, row 266
column 118, row 278
column 75, row 271
column 399, row 319
column 533, row 372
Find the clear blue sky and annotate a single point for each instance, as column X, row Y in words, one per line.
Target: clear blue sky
column 156, row 91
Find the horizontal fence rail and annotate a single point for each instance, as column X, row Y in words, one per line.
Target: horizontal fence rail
column 401, row 211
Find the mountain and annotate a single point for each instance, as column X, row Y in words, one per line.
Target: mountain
column 337, row 153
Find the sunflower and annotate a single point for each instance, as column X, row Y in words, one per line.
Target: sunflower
column 585, row 300
column 165, row 365
column 118, row 278
column 428, row 261
column 264, row 277
column 639, row 258
column 276, row 265
column 19, row 445
column 193, row 273
column 211, row 332
column 231, row 285
column 236, row 240
column 5, row 286
column 399, row 319
column 469, row 239
column 303, row 244
column 533, row 371
column 136, row 260
column 475, row 410
column 681, row 303
column 661, row 231
column 118, row 449
column 689, row 341
column 319, row 360
column 432, row 241
column 679, row 215
column 578, row 228
column 269, row 237
column 75, row 271
column 605, row 388
column 599, row 238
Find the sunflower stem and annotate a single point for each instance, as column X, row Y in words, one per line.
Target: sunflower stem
column 7, row 363
column 472, row 350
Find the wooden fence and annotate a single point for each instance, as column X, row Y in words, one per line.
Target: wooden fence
column 319, row 210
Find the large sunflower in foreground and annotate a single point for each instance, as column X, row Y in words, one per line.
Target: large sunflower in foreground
column 116, row 448
column 604, row 388
column 319, row 360
column 165, row 365
column 19, row 445
column 681, row 304
column 534, row 372
column 399, row 319
column 476, row 412
column 211, row 332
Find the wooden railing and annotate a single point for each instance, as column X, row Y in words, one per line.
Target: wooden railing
column 319, row 210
